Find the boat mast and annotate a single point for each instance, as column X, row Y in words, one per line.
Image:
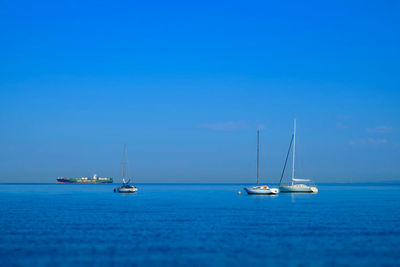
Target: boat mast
column 258, row 155
column 294, row 149
column 123, row 165
column 287, row 156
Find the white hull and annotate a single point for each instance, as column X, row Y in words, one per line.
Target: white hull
column 298, row 188
column 261, row 190
column 121, row 189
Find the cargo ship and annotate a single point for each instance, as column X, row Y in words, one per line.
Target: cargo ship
column 94, row 180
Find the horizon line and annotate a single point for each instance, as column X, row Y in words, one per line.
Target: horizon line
column 210, row 183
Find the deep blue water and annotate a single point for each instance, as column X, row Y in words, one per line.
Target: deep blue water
column 198, row 225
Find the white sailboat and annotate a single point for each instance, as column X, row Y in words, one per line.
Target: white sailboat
column 296, row 185
column 125, row 187
column 260, row 189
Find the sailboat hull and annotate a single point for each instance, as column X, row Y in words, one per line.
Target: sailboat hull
column 261, row 190
column 298, row 188
column 125, row 189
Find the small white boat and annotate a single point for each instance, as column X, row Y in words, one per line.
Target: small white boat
column 260, row 189
column 125, row 187
column 296, row 185
column 298, row 188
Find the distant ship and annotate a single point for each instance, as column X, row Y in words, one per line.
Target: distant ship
column 94, row 180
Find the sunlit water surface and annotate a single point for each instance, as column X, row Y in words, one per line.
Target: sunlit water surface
column 197, row 225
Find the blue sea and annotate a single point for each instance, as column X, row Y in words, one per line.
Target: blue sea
column 198, row 225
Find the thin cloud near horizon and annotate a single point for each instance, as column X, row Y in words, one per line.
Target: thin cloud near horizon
column 369, row 141
column 380, row 129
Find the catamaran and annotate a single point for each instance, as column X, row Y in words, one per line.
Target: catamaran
column 125, row 187
column 296, row 185
column 260, row 189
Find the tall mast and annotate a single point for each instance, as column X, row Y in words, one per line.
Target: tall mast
column 258, row 155
column 287, row 156
column 124, row 164
column 294, row 148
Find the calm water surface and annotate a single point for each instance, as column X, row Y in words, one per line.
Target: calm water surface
column 197, row 225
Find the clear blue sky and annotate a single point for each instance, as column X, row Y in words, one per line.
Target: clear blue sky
column 186, row 84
